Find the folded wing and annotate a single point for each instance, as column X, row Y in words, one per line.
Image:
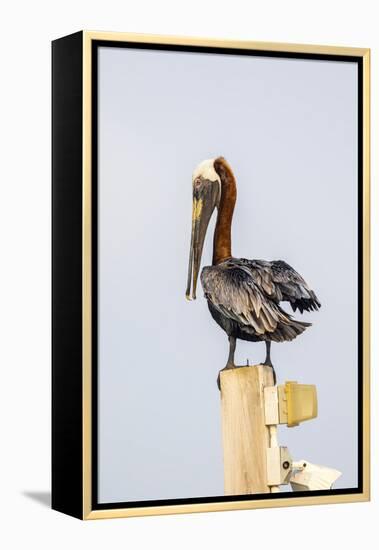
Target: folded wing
column 245, row 291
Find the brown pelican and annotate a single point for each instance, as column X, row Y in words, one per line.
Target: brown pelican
column 243, row 295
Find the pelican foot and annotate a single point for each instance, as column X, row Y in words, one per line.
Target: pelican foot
column 269, row 364
column 227, row 367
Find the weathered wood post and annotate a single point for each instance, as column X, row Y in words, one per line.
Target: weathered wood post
column 245, row 434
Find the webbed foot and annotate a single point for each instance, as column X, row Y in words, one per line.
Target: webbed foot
column 227, row 366
column 269, row 364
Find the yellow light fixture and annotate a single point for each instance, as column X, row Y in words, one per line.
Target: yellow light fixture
column 297, row 403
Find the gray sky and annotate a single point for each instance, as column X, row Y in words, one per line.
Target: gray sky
column 289, row 130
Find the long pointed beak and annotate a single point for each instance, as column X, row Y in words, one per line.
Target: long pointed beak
column 199, row 229
column 190, row 263
column 204, row 202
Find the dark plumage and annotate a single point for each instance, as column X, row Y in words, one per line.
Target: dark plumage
column 244, row 295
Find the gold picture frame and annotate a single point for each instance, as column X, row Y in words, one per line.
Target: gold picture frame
column 80, row 474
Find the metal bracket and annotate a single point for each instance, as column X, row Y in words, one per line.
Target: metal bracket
column 279, row 466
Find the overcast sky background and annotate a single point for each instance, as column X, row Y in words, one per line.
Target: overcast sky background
column 289, row 130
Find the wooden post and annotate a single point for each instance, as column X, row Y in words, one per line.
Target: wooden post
column 245, row 435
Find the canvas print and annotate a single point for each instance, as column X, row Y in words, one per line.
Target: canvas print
column 233, row 179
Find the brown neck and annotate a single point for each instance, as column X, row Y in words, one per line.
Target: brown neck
column 222, row 243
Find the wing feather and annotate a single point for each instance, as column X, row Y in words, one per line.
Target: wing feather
column 249, row 291
column 236, row 294
column 293, row 287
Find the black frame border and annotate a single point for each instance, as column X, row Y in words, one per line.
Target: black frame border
column 67, row 253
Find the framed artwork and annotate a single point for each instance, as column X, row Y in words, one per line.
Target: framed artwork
column 210, row 275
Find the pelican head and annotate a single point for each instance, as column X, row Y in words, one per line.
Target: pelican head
column 206, row 196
